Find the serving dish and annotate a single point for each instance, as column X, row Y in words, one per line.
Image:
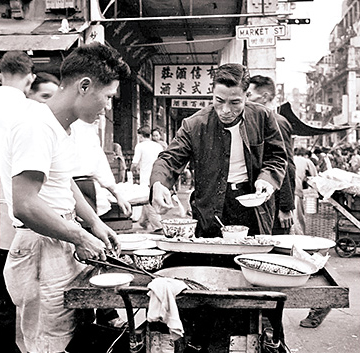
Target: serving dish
column 305, row 242
column 211, row 246
column 275, row 270
column 111, row 279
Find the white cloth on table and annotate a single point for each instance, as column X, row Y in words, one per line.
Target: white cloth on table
column 162, row 304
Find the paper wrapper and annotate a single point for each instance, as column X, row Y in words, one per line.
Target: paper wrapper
column 317, row 259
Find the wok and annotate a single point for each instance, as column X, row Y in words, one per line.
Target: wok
column 215, row 278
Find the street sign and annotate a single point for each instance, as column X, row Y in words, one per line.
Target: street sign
column 260, row 36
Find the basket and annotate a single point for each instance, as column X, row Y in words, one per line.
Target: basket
column 322, row 223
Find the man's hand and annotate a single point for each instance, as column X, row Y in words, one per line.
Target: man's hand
column 263, row 186
column 161, row 201
column 286, row 219
column 124, row 205
column 107, row 235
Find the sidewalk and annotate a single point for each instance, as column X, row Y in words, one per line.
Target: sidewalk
column 340, row 330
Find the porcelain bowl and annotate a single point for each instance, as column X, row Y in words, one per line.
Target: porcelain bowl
column 149, row 259
column 179, row 227
column 234, row 232
column 274, row 270
column 252, row 200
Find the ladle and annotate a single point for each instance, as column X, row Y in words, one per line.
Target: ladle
column 219, row 220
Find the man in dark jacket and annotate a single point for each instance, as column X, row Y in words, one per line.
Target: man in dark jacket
column 236, row 148
column 262, row 90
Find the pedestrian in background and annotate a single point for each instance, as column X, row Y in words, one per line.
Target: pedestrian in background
column 156, row 136
column 17, row 75
column 118, row 155
column 262, row 90
column 304, row 169
column 38, row 157
column 145, row 154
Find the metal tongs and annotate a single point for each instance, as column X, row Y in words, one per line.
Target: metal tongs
column 115, row 262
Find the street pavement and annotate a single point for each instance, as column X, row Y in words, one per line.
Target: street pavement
column 340, row 330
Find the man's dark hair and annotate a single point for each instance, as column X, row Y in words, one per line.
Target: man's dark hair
column 144, row 131
column 264, row 82
column 44, row 77
column 16, row 62
column 232, row 75
column 156, row 129
column 101, row 63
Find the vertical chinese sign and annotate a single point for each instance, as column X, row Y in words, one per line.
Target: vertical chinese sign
column 183, row 80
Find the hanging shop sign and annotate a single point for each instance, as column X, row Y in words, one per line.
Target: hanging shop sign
column 190, row 103
column 260, row 36
column 183, row 80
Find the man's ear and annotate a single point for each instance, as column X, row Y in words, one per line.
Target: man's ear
column 84, row 84
column 266, row 97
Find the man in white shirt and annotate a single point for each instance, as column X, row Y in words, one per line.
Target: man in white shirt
column 36, row 171
column 145, row 154
column 93, row 164
column 16, row 76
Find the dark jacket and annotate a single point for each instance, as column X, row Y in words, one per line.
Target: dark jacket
column 285, row 196
column 203, row 138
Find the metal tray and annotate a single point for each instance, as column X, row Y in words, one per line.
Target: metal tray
column 211, row 248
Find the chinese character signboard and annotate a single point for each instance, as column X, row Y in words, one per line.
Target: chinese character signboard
column 190, row 103
column 184, row 80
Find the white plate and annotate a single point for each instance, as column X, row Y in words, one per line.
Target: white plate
column 211, row 248
column 111, row 279
column 305, row 242
column 131, row 237
column 146, row 244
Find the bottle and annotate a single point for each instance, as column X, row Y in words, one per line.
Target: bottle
column 129, row 177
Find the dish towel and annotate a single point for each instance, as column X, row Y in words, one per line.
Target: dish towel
column 162, row 304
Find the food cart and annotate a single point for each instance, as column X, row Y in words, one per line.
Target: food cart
column 323, row 289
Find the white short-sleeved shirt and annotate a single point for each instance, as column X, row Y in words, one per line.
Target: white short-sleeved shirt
column 40, row 143
column 91, row 158
column 145, row 154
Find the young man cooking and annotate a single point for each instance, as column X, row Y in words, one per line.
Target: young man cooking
column 36, row 172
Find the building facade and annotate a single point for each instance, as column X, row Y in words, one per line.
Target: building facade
column 334, row 83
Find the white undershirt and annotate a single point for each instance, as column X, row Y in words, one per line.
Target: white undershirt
column 237, row 166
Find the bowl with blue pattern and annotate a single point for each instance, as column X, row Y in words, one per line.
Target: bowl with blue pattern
column 179, row 227
column 149, row 259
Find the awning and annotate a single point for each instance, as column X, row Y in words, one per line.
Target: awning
column 302, row 129
column 38, row 42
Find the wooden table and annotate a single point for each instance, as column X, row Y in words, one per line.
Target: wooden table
column 323, row 289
